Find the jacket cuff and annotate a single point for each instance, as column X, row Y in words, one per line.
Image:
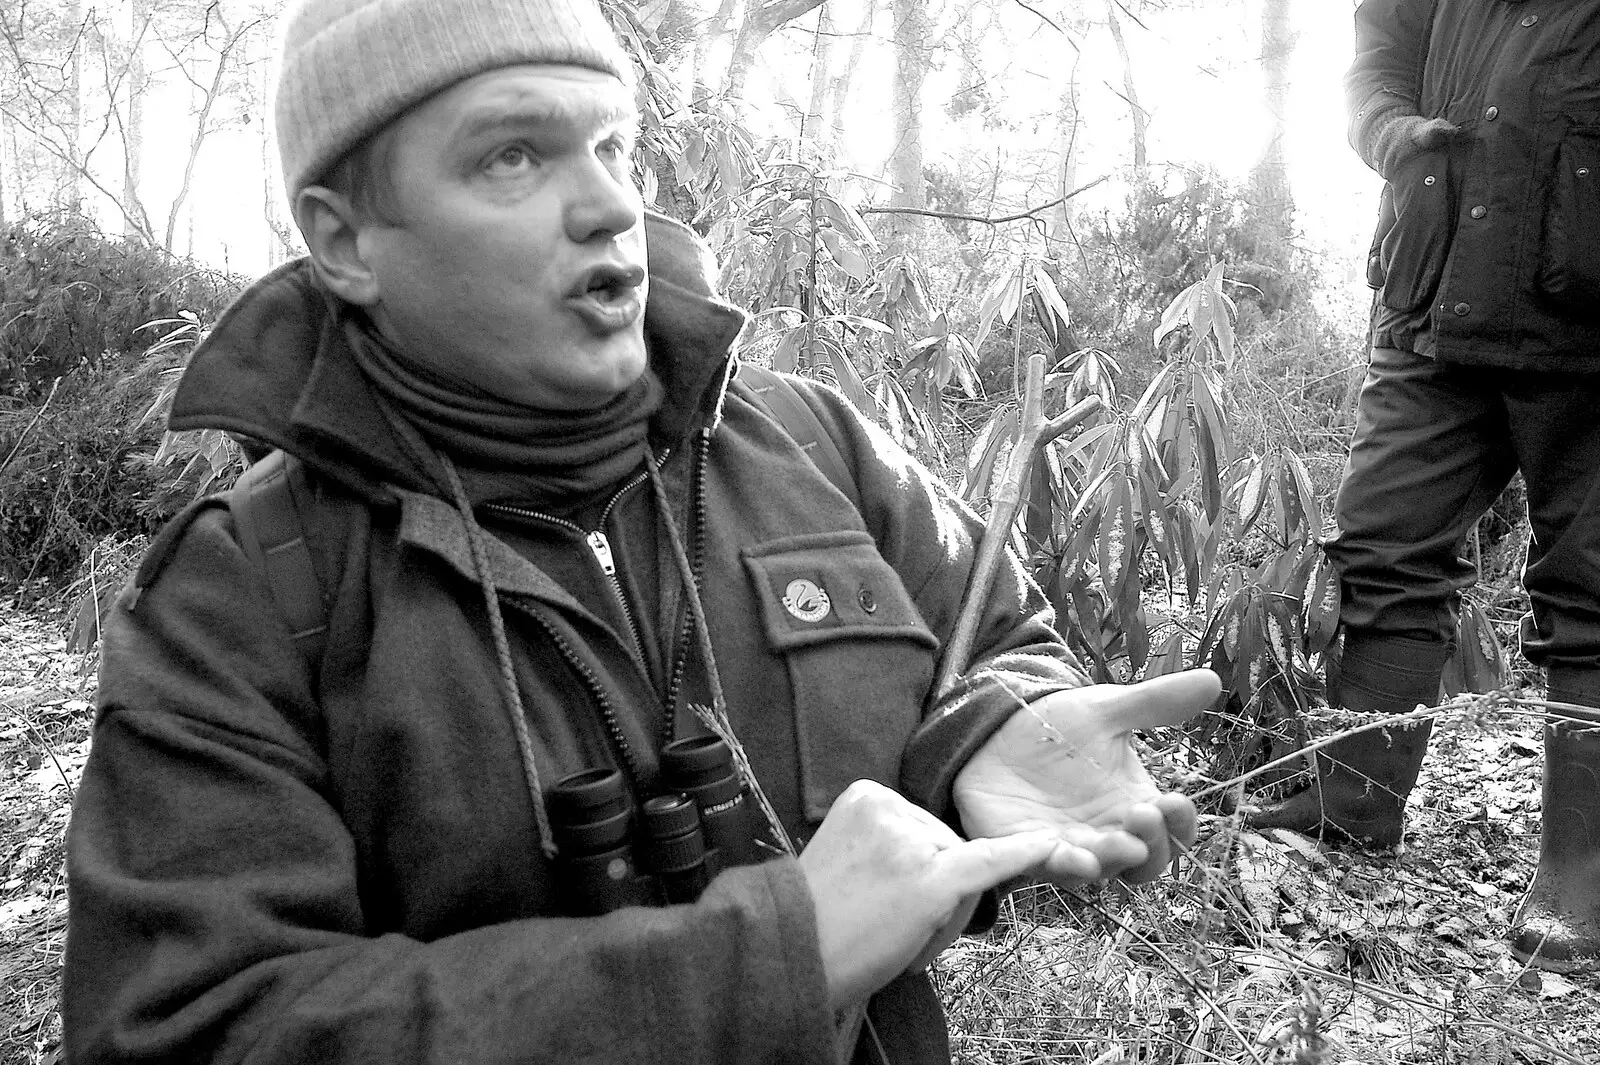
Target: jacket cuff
column 786, row 1006
column 1376, row 121
column 962, row 723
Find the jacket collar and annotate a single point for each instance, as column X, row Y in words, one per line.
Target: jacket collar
column 276, row 367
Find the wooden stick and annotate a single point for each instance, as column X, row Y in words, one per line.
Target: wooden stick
column 1033, row 433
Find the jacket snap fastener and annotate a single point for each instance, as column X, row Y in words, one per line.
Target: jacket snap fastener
column 1479, row 211
column 1492, row 114
column 1583, row 171
column 1529, row 21
column 1463, row 309
column 1429, row 180
column 868, row 601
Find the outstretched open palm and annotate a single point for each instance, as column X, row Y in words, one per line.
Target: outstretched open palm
column 1065, row 763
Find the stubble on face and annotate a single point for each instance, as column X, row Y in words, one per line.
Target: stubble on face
column 516, row 269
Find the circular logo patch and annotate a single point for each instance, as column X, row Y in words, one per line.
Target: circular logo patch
column 805, row 600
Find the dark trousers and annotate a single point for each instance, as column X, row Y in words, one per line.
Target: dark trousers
column 1434, row 446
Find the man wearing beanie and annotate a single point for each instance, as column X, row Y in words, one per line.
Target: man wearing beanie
column 1483, row 116
column 547, row 521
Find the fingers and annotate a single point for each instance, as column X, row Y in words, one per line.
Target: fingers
column 974, row 866
column 1164, row 701
column 1183, row 822
column 1146, row 821
column 1168, row 826
column 1069, row 864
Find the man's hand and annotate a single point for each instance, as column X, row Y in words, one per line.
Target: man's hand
column 1064, row 764
column 893, row 885
column 1401, row 138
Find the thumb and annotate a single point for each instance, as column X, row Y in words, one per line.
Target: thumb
column 976, row 865
column 1163, row 701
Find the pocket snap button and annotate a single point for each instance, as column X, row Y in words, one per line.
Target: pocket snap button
column 1429, row 180
column 868, row 601
column 1479, row 211
column 1463, row 309
column 1530, row 21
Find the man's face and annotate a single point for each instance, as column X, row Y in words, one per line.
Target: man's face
column 516, row 265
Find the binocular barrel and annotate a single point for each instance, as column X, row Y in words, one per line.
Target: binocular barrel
column 592, row 820
column 673, row 848
column 701, row 767
column 609, row 858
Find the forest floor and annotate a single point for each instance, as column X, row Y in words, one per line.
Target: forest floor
column 1269, row 949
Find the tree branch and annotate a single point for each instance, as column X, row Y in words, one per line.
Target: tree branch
column 990, row 220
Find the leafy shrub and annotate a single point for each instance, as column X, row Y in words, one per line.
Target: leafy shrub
column 70, row 296
column 1131, row 263
column 85, row 379
column 65, row 484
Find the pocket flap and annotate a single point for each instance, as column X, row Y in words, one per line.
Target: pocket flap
column 830, row 586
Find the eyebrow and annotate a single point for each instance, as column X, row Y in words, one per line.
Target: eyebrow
column 521, row 113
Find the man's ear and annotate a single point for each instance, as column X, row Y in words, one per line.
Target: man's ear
column 332, row 228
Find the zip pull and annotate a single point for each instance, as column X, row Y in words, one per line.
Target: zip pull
column 602, row 552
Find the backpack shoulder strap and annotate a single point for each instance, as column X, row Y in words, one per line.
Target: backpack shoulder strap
column 775, row 394
column 268, row 503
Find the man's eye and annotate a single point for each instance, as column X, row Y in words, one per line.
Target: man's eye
column 511, row 159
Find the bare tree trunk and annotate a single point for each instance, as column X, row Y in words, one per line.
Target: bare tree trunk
column 1141, row 121
column 133, row 135
column 761, row 20
column 1273, row 198
column 70, row 195
column 3, row 186
column 202, row 126
column 280, row 240
column 1069, row 123
column 719, row 29
column 905, row 160
column 821, row 71
column 839, row 87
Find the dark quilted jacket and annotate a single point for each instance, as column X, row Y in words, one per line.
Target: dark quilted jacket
column 1488, row 250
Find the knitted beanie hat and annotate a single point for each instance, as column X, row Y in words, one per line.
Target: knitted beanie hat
column 350, row 67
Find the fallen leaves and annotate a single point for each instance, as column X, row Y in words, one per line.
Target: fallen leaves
column 45, row 711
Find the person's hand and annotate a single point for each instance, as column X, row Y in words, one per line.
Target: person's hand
column 1403, row 137
column 893, row 885
column 1065, row 764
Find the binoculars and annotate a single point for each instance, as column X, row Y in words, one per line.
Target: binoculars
column 666, row 851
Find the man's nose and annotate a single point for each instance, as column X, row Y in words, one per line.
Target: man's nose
column 601, row 204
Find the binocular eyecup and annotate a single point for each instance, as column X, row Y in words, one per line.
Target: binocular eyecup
column 667, row 851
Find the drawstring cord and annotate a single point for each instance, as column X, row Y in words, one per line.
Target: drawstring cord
column 717, row 720
column 502, row 650
column 686, row 576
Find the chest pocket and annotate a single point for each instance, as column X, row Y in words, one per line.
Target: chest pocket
column 859, row 656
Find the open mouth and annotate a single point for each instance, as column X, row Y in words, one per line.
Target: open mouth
column 607, row 296
column 608, row 282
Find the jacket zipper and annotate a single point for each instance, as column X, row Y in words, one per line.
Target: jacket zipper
column 608, row 715
column 600, row 547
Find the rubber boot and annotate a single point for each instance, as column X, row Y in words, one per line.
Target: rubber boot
column 1359, row 785
column 1557, row 927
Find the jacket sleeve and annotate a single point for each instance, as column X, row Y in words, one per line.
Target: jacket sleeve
column 931, row 539
column 1383, row 83
column 216, row 907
